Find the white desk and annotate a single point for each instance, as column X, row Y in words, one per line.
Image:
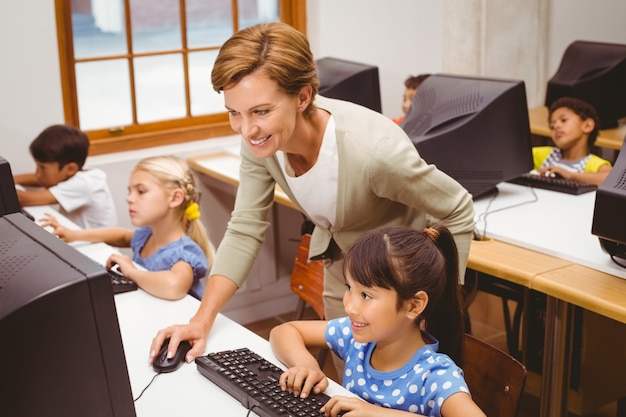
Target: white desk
column 184, row 392
column 556, row 224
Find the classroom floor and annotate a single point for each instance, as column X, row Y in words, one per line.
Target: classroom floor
column 529, row 406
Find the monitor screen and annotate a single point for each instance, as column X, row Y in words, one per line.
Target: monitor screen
column 350, row 81
column 8, row 195
column 596, row 73
column 472, row 128
column 61, row 343
column 610, row 205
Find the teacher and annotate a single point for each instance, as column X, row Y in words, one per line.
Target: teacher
column 349, row 169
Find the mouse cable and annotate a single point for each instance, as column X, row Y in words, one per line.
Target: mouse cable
column 483, row 216
column 146, row 387
column 252, row 408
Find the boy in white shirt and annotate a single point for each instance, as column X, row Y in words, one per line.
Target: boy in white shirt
column 60, row 152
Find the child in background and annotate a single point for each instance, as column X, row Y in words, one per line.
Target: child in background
column 411, row 85
column 169, row 241
column 397, row 279
column 574, row 125
column 60, row 152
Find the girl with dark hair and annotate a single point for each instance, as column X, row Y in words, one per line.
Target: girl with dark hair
column 399, row 281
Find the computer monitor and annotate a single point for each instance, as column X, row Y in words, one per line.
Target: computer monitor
column 350, row 81
column 61, row 346
column 596, row 73
column 8, row 195
column 610, row 205
column 475, row 129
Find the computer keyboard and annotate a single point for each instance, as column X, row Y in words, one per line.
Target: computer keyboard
column 120, row 283
column 561, row 185
column 253, row 381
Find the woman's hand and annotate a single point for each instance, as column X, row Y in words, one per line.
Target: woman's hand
column 300, row 381
column 194, row 333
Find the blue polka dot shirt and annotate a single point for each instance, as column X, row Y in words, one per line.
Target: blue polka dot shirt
column 420, row 386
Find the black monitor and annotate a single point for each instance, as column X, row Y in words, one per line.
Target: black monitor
column 610, row 205
column 350, row 81
column 596, row 73
column 475, row 129
column 8, row 195
column 61, row 346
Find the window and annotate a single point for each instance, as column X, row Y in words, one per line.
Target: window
column 137, row 73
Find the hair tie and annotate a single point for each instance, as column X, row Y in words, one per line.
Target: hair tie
column 432, row 233
column 192, row 212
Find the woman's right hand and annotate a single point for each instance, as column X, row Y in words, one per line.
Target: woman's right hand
column 194, row 333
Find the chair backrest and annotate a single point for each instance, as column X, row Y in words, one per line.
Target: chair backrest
column 496, row 379
column 307, row 277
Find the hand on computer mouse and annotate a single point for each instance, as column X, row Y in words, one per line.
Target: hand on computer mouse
column 163, row 364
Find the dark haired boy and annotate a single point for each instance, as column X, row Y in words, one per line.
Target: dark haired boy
column 574, row 125
column 60, row 152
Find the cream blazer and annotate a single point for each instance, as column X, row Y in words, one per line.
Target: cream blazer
column 382, row 181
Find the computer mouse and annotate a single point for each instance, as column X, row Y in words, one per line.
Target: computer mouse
column 163, row 364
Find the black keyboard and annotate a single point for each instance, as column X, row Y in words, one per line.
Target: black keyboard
column 120, row 283
column 253, row 381
column 554, row 184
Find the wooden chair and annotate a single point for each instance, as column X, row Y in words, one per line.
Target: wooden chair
column 495, row 378
column 307, row 281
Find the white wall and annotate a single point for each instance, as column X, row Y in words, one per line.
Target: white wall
column 30, row 86
column 572, row 20
column 402, row 38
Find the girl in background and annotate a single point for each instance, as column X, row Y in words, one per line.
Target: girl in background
column 169, row 240
column 398, row 282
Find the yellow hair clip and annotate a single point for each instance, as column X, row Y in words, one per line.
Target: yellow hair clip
column 192, row 212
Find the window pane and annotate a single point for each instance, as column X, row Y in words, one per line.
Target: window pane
column 156, row 25
column 98, row 29
column 209, row 23
column 159, row 82
column 103, row 94
column 204, row 100
column 252, row 12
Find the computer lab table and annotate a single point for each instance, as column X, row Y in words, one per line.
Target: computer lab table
column 565, row 262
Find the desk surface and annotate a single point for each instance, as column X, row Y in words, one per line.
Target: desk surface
column 607, row 138
column 184, row 392
column 557, row 224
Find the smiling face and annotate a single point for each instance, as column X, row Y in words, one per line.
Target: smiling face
column 148, row 202
column 264, row 115
column 374, row 313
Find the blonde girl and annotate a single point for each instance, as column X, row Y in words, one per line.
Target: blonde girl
column 169, row 240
